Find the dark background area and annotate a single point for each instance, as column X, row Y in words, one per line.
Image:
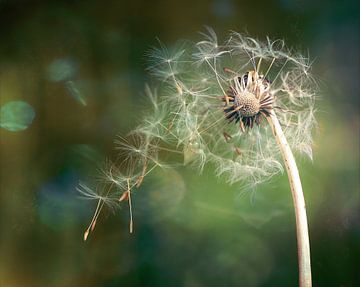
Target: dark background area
column 81, row 65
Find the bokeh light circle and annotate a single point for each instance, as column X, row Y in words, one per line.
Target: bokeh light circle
column 16, row 116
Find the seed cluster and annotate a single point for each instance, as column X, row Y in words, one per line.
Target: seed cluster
column 248, row 99
column 248, row 103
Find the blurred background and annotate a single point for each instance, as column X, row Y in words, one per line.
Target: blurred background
column 72, row 76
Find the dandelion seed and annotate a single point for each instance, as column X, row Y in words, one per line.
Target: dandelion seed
column 106, row 198
column 124, row 196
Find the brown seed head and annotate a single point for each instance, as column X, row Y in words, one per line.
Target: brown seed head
column 248, row 99
column 250, row 105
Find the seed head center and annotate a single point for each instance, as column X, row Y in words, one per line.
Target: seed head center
column 250, row 105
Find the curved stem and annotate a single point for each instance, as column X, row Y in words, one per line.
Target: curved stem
column 302, row 233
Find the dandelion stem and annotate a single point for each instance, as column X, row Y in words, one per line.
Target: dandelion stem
column 299, row 202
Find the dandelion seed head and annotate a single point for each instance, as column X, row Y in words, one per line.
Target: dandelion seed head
column 252, row 78
column 211, row 106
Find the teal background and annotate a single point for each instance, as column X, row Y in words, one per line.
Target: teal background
column 81, row 66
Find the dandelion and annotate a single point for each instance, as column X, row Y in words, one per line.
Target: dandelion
column 242, row 105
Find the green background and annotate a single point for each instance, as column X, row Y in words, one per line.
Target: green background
column 81, row 66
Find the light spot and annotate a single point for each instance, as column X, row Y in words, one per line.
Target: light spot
column 61, row 70
column 161, row 196
column 223, row 8
column 16, row 116
column 58, row 203
column 73, row 90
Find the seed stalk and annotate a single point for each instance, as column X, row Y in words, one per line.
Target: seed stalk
column 302, row 232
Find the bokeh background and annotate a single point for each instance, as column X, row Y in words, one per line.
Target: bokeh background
column 72, row 75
